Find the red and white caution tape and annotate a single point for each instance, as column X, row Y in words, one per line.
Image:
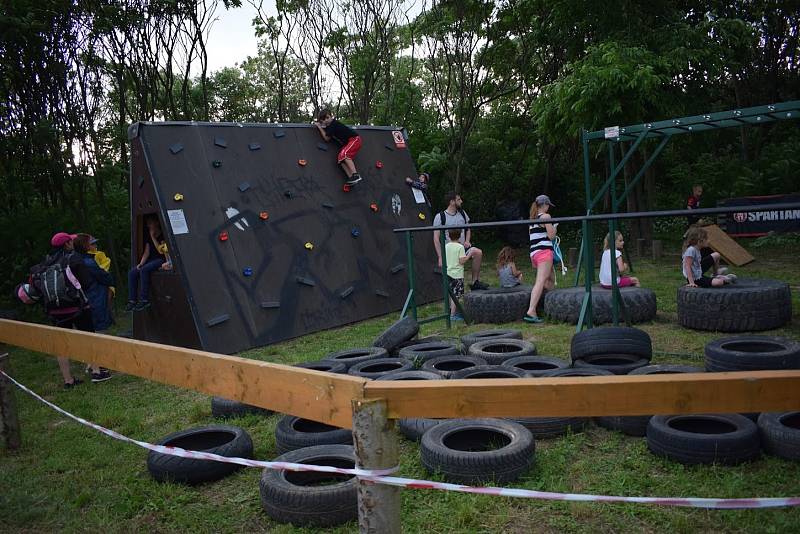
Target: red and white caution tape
column 379, row 476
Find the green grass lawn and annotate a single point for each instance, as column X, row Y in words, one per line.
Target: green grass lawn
column 69, row 478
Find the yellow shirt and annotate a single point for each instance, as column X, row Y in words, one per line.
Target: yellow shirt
column 102, row 260
column 162, row 249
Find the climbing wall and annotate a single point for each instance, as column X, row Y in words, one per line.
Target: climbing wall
column 266, row 241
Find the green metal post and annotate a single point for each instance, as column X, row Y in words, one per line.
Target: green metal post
column 411, row 300
column 445, row 285
column 586, row 307
column 616, row 169
column 612, row 246
column 579, row 265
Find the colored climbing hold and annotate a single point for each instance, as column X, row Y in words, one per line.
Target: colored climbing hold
column 247, row 271
column 263, row 215
column 288, row 194
column 379, row 164
column 421, row 216
column 302, row 162
column 374, row 207
column 309, row 245
column 223, row 236
column 178, row 197
column 346, row 188
column 355, row 232
column 216, row 164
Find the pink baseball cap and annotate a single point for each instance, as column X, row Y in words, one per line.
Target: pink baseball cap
column 59, row 239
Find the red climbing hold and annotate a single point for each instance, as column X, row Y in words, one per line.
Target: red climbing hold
column 379, row 164
column 346, row 188
column 263, row 215
column 223, row 236
column 302, row 162
column 374, row 207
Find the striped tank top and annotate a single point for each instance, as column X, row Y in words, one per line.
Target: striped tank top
column 539, row 239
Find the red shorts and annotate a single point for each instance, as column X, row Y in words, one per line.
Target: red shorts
column 624, row 281
column 541, row 256
column 349, row 150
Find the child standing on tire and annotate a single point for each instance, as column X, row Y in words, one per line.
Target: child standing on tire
column 330, row 128
column 691, row 262
column 605, row 264
column 507, row 270
column 455, row 257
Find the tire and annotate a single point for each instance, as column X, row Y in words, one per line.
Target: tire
column 488, row 371
column 496, row 351
column 425, row 351
column 400, row 332
column 309, row 498
column 636, row 425
column 225, row 440
column 752, row 353
column 780, row 434
column 411, row 375
column 611, row 340
column 536, row 365
column 551, row 427
column 448, row 365
column 619, row 364
column 329, row 366
column 461, row 450
column 419, row 341
column 498, row 333
column 413, row 428
column 294, row 433
column 223, row 408
column 748, row 305
column 378, row 367
column 350, row 357
column 565, row 304
column 727, row 439
column 583, row 371
column 497, row 306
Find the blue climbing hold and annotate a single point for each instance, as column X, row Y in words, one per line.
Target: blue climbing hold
column 355, row 232
column 247, row 271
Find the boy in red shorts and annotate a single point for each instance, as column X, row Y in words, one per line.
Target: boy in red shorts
column 330, row 128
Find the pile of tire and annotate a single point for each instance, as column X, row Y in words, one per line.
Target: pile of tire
column 617, row 349
column 565, row 304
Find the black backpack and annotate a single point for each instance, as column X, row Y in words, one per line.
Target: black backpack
column 56, row 284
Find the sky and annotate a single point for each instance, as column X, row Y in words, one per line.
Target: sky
column 232, row 37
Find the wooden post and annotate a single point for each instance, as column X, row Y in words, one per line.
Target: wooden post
column 656, row 249
column 640, row 247
column 9, row 422
column 572, row 257
column 376, row 447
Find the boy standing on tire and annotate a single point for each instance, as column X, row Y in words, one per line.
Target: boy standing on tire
column 330, row 128
column 454, row 215
column 456, row 258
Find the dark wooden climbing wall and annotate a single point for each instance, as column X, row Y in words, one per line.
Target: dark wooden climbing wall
column 275, row 247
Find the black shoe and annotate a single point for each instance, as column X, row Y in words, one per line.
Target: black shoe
column 354, row 179
column 102, row 376
column 142, row 305
column 131, row 306
column 75, row 382
column 478, row 285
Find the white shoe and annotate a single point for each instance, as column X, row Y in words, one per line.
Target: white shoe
column 730, row 278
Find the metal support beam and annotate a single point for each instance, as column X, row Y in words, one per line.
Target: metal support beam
column 615, row 170
column 445, row 284
column 410, row 300
column 641, row 172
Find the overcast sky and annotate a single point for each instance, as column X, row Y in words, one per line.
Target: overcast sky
column 232, row 38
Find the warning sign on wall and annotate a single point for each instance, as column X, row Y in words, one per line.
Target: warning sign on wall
column 399, row 140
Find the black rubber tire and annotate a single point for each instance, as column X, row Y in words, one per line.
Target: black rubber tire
column 536, row 365
column 619, row 364
column 329, row 366
column 419, row 341
column 611, row 340
column 636, row 425
column 413, row 428
column 551, row 427
column 748, row 305
column 350, row 357
column 488, row 371
column 413, row 374
column 421, row 352
column 496, row 351
column 458, row 450
column 309, row 498
column 727, row 439
column 294, row 433
column 752, row 353
column 380, row 366
column 583, row 371
column 780, row 434
column 448, row 365
column 225, row 440
column 497, row 333
column 497, row 305
column 224, row 408
column 400, row 332
column 565, row 304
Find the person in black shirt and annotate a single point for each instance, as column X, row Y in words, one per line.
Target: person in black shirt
column 330, row 128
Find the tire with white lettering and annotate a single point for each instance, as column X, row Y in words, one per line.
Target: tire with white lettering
column 747, row 305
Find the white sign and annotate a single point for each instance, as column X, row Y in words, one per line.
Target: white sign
column 611, row 132
column 418, row 195
column 178, row 222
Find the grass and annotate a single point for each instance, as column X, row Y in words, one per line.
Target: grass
column 70, row 478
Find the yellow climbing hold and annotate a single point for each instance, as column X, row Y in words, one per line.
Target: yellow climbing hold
column 421, row 216
column 178, row 197
column 309, row 245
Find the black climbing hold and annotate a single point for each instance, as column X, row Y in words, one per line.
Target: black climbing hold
column 214, row 321
column 327, row 205
column 278, row 134
column 389, row 147
column 288, row 194
column 177, row 147
column 141, row 181
column 397, row 268
column 305, row 281
column 244, row 186
column 381, row 293
column 216, row 164
column 322, row 146
column 270, row 304
column 220, row 142
column 347, row 292
column 254, row 146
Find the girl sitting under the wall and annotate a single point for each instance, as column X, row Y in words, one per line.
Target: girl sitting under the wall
column 155, row 257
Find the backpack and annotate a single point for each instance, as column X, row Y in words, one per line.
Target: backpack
column 57, row 285
column 443, row 218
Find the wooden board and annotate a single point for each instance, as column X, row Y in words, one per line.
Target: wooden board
column 324, row 397
column 729, row 249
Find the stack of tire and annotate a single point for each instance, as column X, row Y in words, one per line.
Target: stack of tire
column 616, row 349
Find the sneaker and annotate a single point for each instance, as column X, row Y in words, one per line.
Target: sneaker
column 354, row 179
column 102, row 376
column 142, row 305
column 75, row 382
column 532, row 319
column 478, row 285
column 131, row 306
column 731, row 278
column 456, row 317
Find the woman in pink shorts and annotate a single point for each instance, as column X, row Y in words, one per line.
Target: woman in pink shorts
column 541, row 238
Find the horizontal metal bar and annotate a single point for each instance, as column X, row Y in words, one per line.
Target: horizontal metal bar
column 434, row 318
column 609, row 216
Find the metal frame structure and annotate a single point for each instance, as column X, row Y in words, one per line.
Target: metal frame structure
column 663, row 130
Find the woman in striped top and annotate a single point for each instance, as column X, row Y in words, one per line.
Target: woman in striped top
column 541, row 237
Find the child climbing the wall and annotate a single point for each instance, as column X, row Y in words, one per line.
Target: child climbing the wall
column 456, row 257
column 691, row 261
column 507, row 270
column 605, row 263
column 330, row 128
column 153, row 258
